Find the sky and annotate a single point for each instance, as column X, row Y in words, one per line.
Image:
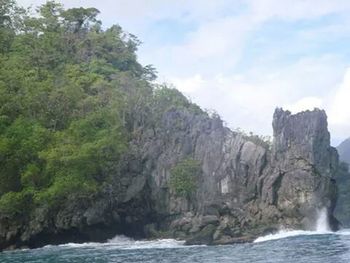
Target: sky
column 244, row 58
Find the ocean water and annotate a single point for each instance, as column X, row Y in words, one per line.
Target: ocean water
column 286, row 246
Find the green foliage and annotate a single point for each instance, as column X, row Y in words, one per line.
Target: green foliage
column 32, row 177
column 13, row 203
column 63, row 187
column 19, row 146
column 78, row 19
column 72, row 94
column 184, row 177
column 166, row 97
column 63, row 97
column 10, row 21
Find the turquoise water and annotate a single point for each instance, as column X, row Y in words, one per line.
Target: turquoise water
column 295, row 246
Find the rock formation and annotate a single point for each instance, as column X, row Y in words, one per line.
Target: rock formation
column 342, row 210
column 244, row 188
column 344, row 151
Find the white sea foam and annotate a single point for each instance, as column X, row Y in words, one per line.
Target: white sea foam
column 128, row 243
column 343, row 232
column 322, row 224
column 123, row 242
column 287, row 233
column 321, row 228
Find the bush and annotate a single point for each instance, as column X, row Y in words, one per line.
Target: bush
column 63, row 187
column 184, row 177
column 13, row 203
column 166, row 98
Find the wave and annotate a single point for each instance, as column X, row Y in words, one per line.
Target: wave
column 123, row 242
column 141, row 244
column 322, row 227
column 343, row 232
column 290, row 233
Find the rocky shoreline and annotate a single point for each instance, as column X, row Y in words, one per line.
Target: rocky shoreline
column 245, row 189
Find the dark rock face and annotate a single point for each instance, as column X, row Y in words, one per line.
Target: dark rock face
column 344, row 151
column 343, row 179
column 302, row 168
column 244, row 189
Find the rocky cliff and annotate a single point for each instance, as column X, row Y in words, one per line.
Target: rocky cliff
column 342, row 211
column 243, row 188
column 344, row 151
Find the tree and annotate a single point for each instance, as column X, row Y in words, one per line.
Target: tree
column 10, row 21
column 79, row 20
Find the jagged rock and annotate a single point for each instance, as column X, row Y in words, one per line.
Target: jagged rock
column 205, row 236
column 263, row 188
column 300, row 180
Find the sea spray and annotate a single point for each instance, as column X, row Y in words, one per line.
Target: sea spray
column 321, row 227
column 283, row 234
column 322, row 224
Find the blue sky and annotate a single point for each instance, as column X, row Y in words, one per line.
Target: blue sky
column 244, row 58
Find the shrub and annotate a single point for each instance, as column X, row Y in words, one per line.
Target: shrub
column 13, row 203
column 184, row 177
column 63, row 187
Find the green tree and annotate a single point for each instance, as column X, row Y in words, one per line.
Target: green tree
column 10, row 22
column 20, row 144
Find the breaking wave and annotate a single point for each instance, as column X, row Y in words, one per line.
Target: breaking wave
column 288, row 233
column 321, row 228
column 123, row 242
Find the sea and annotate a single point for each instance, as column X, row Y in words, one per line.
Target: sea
column 285, row 246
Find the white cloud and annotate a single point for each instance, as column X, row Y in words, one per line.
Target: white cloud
column 307, row 103
column 339, row 110
column 213, row 47
column 340, row 105
column 296, row 9
column 189, row 85
column 248, row 100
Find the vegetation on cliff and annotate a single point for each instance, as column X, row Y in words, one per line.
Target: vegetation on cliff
column 184, row 177
column 72, row 95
